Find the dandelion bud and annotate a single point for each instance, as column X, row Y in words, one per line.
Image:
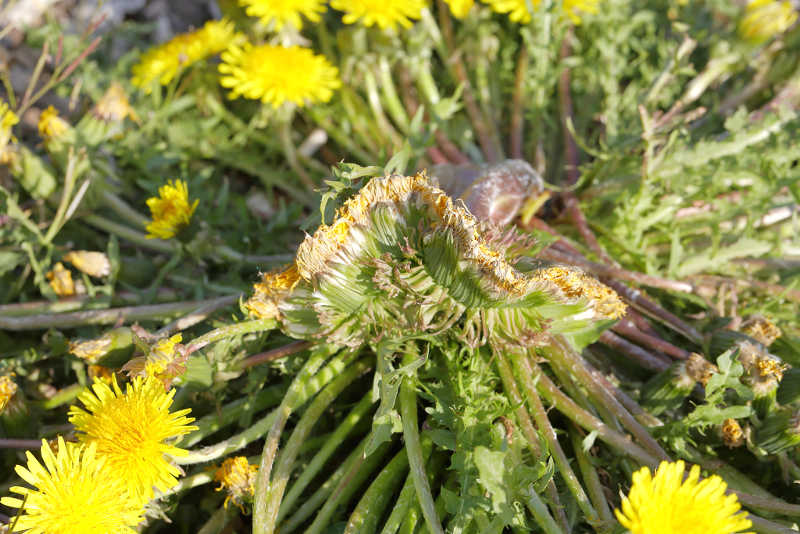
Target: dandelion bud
column 700, row 369
column 111, row 348
column 92, row 263
column 732, row 433
column 170, row 210
column 779, row 431
column 762, row 330
column 763, row 373
column 238, row 477
column 668, row 389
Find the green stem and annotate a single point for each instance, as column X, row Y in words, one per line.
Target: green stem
column 562, row 354
column 590, row 478
column 69, row 184
column 218, row 521
column 232, row 412
column 270, row 499
column 134, row 236
column 369, row 510
column 531, row 437
column 335, row 440
column 237, row 329
column 108, row 316
column 393, row 103
column 524, row 374
column 539, row 511
column 402, row 505
column 123, row 209
column 350, row 479
column 64, row 396
column 306, row 379
column 340, row 136
column 584, row 419
column 408, row 414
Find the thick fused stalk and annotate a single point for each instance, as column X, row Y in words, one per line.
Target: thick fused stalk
column 277, row 486
column 306, row 379
column 336, row 438
column 545, row 428
column 369, row 509
column 416, row 460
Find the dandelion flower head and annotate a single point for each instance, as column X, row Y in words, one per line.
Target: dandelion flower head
column 665, row 503
column 460, row 8
column 164, row 62
column 7, row 121
column 277, row 74
column 281, row 12
column 114, row 105
column 51, row 125
column 170, row 210
column 8, row 388
column 519, row 11
column 238, row 477
column 133, row 431
column 386, row 15
column 164, row 361
column 765, row 19
column 74, row 492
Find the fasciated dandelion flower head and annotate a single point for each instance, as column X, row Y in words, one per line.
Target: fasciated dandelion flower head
column 134, row 431
column 765, row 19
column 170, row 210
column 50, row 125
column 74, row 492
column 385, row 15
column 238, row 477
column 277, row 74
column 282, row 12
column 665, row 503
column 164, row 62
column 8, row 388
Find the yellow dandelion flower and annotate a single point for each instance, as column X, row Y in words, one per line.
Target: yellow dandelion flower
column 664, row 503
column 132, row 430
column 276, row 74
column 170, row 210
column 7, row 121
column 61, row 280
column 51, row 125
column 166, row 61
column 520, row 10
column 114, row 105
column 765, row 19
column 92, row 263
column 379, row 12
column 238, row 477
column 460, row 8
column 281, row 12
column 74, row 492
column 517, row 10
column 8, row 388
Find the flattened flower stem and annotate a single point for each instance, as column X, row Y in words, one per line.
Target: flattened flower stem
column 525, row 376
column 531, row 437
column 307, row 379
column 271, row 498
column 408, row 413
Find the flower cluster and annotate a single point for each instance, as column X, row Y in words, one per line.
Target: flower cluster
column 101, row 484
